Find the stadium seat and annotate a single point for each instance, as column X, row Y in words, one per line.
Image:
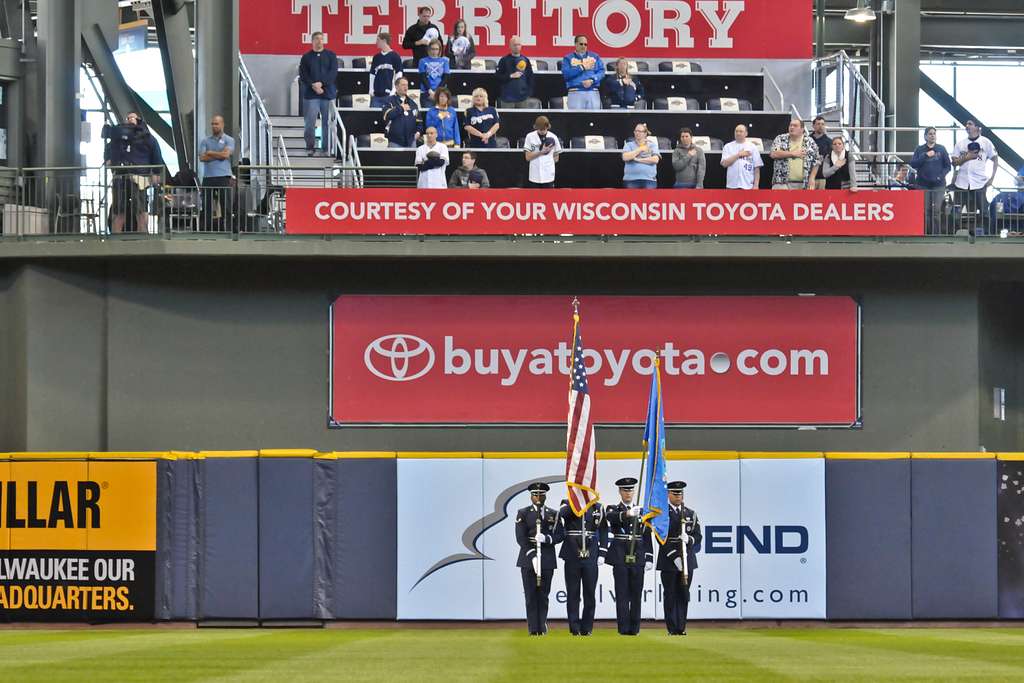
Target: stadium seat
column 594, row 142
column 640, row 104
column 556, row 103
column 634, row 66
column 414, row 95
column 728, row 104
column 757, row 142
column 664, row 144
column 361, row 62
column 463, row 102
column 372, row 141
column 409, row 65
column 540, row 65
column 501, row 142
column 679, row 66
column 676, row 103
column 708, row 144
column 478, row 64
column 344, row 100
column 360, row 101
column 533, row 103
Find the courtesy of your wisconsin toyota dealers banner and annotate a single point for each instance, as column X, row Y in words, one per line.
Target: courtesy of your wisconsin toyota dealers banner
column 755, row 360
column 676, row 29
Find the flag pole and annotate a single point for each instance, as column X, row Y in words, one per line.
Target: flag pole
column 640, row 481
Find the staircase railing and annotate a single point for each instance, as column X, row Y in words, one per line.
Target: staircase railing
column 257, row 134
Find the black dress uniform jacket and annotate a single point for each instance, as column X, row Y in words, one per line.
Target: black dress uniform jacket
column 620, row 525
column 526, row 529
column 597, row 534
column 668, row 553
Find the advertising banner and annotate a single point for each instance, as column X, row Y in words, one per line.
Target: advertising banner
column 446, row 561
column 673, row 29
column 77, row 541
column 401, row 211
column 504, row 359
column 1010, row 513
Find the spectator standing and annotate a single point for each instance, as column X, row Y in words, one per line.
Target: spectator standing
column 482, row 121
column 1010, row 202
column 583, row 71
column 431, row 160
column 400, row 113
column 819, row 133
column 435, row 70
column 131, row 144
column 796, row 159
column 932, row 163
column 443, row 118
column 688, row 162
column 420, row 35
column 318, row 72
column 515, row 74
column 542, row 151
column 742, row 162
column 385, row 70
column 837, row 168
column 469, row 175
column 641, row 157
column 461, row 49
column 215, row 155
column 621, row 91
column 971, row 156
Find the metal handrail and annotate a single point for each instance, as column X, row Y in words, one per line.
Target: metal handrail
column 285, row 160
column 770, row 79
column 356, row 161
column 340, row 139
column 249, row 97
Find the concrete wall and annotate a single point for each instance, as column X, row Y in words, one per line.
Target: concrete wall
column 224, row 354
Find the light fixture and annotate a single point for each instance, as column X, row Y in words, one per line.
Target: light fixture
column 860, row 13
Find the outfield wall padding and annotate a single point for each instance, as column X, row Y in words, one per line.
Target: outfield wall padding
column 229, row 563
column 953, row 539
column 286, row 538
column 867, row 516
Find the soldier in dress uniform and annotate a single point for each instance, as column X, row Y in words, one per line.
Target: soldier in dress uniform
column 630, row 554
column 683, row 536
column 537, row 529
column 582, row 552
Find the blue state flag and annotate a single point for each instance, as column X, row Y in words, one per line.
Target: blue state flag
column 656, row 479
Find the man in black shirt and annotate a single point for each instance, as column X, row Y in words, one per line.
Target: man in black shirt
column 419, row 36
column 820, row 136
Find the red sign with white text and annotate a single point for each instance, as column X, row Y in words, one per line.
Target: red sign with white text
column 776, row 361
column 394, row 211
column 673, row 29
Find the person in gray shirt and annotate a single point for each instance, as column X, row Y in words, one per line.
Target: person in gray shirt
column 688, row 162
column 469, row 175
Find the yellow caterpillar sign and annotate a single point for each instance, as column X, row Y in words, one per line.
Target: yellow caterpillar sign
column 77, row 540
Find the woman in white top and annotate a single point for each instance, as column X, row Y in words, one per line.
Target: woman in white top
column 542, row 150
column 431, row 161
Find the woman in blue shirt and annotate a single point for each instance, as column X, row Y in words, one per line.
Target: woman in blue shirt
column 641, row 157
column 481, row 121
column 435, row 70
column 932, row 163
column 445, row 119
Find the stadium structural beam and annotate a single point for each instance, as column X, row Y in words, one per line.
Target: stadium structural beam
column 217, row 57
column 121, row 96
column 962, row 114
column 901, row 38
column 940, row 32
column 175, row 41
column 60, row 55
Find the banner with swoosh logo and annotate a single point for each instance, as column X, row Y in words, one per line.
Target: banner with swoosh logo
column 726, row 361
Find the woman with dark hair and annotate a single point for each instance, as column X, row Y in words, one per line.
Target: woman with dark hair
column 444, row 118
column 688, row 162
column 461, row 49
column 837, row 167
column 932, row 163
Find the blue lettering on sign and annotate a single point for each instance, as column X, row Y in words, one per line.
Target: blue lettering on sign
column 787, row 539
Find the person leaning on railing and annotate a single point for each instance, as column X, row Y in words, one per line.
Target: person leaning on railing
column 131, row 144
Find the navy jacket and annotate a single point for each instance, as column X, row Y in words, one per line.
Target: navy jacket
column 597, row 535
column 526, row 529
column 931, row 171
column 401, row 125
column 318, row 66
column 668, row 553
column 619, row 95
column 620, row 527
column 515, row 89
column 140, row 149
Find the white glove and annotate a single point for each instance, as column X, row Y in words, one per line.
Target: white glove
column 678, row 562
column 633, row 511
column 600, row 560
column 539, row 538
column 649, row 566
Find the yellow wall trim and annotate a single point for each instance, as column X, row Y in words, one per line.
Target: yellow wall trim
column 1009, row 456
column 430, row 455
column 780, row 455
column 357, row 455
column 953, row 456
column 867, row 456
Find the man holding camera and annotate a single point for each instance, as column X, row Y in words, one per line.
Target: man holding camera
column 131, row 144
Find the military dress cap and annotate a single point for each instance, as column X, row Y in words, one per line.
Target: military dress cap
column 539, row 487
column 626, row 483
column 676, row 486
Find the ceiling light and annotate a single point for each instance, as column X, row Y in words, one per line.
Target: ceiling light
column 860, row 13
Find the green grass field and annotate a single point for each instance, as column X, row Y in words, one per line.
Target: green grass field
column 491, row 654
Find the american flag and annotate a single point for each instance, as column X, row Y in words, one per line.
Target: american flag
column 580, row 461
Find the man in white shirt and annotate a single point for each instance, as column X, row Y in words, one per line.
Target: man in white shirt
column 742, row 162
column 431, row 161
column 542, row 150
column 970, row 159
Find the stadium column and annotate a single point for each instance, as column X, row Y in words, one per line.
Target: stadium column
column 217, row 54
column 60, row 53
column 902, row 49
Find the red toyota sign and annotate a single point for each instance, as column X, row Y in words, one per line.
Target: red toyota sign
column 777, row 360
column 673, row 29
column 393, row 211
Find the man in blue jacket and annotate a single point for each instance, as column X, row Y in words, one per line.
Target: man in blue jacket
column 318, row 71
column 400, row 117
column 583, row 71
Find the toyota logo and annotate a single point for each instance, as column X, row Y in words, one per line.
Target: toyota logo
column 396, row 353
